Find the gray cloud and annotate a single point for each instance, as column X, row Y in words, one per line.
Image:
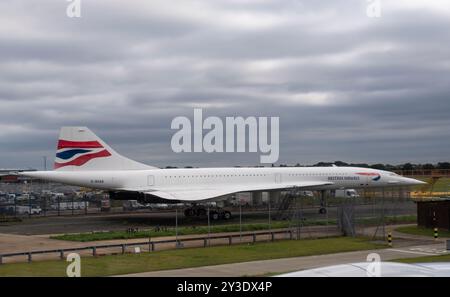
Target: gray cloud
column 346, row 87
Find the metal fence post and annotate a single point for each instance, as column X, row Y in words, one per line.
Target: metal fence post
column 209, row 224
column 270, row 217
column 176, row 228
column 123, row 249
column 254, row 237
column 72, row 204
column 94, row 251
column 230, row 239
column 29, row 257
column 29, row 205
column 61, row 254
column 1, row 259
column 240, row 221
column 45, row 205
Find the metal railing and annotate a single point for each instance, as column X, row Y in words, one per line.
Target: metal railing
column 151, row 244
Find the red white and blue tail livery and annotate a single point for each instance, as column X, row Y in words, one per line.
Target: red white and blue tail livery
column 78, row 153
column 80, row 150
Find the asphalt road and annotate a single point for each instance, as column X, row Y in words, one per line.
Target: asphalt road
column 256, row 268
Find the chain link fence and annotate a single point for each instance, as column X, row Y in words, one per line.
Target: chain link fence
column 306, row 213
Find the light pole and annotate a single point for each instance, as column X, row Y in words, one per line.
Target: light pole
column 270, row 218
column 176, row 229
column 209, row 225
column 45, row 162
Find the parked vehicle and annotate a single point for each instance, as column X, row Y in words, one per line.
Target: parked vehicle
column 24, row 197
column 306, row 193
column 178, row 206
column 69, row 205
column 347, row 193
column 33, row 210
column 132, row 205
column 105, row 205
column 58, row 195
column 158, row 206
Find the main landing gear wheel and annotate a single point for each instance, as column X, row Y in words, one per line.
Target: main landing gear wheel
column 322, row 210
column 227, row 215
column 214, row 216
column 216, row 213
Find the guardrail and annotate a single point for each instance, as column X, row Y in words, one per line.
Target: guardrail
column 151, row 244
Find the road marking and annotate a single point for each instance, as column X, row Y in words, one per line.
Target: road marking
column 429, row 250
column 412, row 252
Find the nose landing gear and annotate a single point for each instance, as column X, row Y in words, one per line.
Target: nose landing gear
column 323, row 203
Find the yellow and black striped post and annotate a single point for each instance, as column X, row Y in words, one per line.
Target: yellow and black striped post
column 436, row 235
column 390, row 238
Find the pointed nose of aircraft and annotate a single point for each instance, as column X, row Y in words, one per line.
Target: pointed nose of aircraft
column 413, row 182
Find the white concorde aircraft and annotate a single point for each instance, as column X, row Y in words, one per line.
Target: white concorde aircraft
column 83, row 159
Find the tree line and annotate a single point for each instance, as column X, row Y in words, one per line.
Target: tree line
column 389, row 167
column 380, row 166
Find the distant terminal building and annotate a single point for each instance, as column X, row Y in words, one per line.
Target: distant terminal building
column 10, row 175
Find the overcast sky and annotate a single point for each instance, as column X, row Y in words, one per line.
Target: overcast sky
column 345, row 86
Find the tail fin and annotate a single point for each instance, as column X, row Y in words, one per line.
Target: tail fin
column 79, row 149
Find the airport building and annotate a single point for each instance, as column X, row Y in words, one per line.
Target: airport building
column 10, row 176
column 434, row 213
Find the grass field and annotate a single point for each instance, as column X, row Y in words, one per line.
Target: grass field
column 97, row 236
column 84, row 237
column 442, row 185
column 428, row 259
column 194, row 257
column 389, row 220
column 415, row 230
